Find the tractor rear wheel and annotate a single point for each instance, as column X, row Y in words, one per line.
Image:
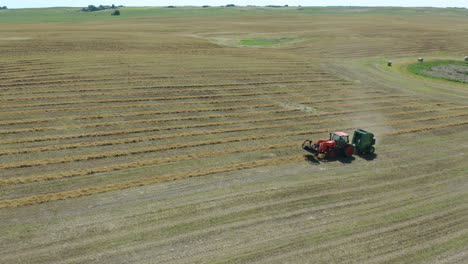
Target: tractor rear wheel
column 349, row 151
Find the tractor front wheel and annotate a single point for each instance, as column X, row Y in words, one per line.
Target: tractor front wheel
column 371, row 150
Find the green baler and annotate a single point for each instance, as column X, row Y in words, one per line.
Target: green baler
column 363, row 141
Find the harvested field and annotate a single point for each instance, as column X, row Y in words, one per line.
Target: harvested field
column 173, row 136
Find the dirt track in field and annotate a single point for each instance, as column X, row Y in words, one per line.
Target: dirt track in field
column 150, row 141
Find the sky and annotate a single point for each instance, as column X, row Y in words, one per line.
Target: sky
column 83, row 3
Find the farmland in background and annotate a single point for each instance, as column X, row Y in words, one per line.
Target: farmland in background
column 158, row 137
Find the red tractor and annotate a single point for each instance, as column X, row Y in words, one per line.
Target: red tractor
column 338, row 144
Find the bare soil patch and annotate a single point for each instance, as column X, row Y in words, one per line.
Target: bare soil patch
column 458, row 72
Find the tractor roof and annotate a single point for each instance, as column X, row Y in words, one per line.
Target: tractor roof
column 341, row 134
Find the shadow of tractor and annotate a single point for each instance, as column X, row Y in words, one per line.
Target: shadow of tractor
column 314, row 160
column 368, row 157
column 311, row 159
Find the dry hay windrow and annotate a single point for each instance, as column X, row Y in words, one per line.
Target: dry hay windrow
column 150, row 162
column 141, row 66
column 160, row 128
column 424, row 128
column 76, row 84
column 42, row 198
column 145, row 90
column 161, row 75
column 83, row 172
column 141, row 89
column 88, row 108
column 32, row 163
column 168, row 98
column 132, row 85
column 60, row 83
column 136, row 113
column 142, row 113
column 146, row 78
column 145, row 181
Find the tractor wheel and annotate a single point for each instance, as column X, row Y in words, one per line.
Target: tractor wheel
column 349, row 151
column 371, row 150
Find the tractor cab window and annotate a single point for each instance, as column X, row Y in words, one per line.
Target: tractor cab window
column 340, row 139
column 335, row 137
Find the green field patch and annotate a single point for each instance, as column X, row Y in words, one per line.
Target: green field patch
column 269, row 41
column 456, row 71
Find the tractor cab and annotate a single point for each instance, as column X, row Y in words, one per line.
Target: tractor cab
column 340, row 138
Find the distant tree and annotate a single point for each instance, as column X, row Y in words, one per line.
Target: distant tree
column 4, row 7
column 116, row 13
column 230, row 5
column 171, row 7
column 92, row 8
column 205, row 6
column 113, row 6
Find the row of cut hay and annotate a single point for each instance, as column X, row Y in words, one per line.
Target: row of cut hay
column 164, row 92
column 139, row 90
column 143, row 113
column 139, row 99
column 112, row 82
column 145, row 181
column 49, row 78
column 41, row 198
column 256, row 100
column 36, row 84
column 174, row 87
column 139, row 105
column 150, row 162
column 186, row 126
column 142, row 66
column 156, row 120
column 53, row 71
column 32, row 163
column 280, row 75
column 135, row 114
column 424, row 128
column 167, row 98
column 146, row 78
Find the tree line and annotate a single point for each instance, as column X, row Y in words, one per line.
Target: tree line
column 92, row 8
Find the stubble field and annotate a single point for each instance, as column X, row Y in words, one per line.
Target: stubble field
column 160, row 139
